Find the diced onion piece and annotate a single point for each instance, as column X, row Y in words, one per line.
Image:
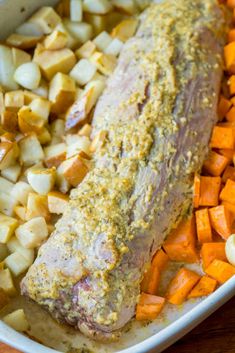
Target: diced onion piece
column 83, row 71
column 29, row 29
column 102, row 41
column 114, row 47
column 81, row 31
column 17, row 263
column 86, row 50
column 55, row 154
column 57, row 202
column 17, row 320
column 28, row 75
column 31, row 151
column 7, row 228
column 42, row 180
column 46, row 18
column 76, row 10
column 32, row 233
column 7, row 68
column 12, row 173
column 6, row 282
column 20, row 192
column 99, row 7
column 230, row 249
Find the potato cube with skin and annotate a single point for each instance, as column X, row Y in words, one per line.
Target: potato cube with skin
column 8, row 153
column 37, row 206
column 29, row 96
column 54, row 61
column 5, row 185
column 61, row 182
column 7, row 228
column 29, row 122
column 9, row 120
column 6, row 282
column 44, row 137
column 12, row 173
column 127, row 6
column 99, row 7
column 58, row 128
column 85, row 130
column 83, row 71
column 82, row 143
column 57, row 202
column 42, row 90
column 23, row 42
column 75, row 169
column 114, row 48
column 42, row 180
column 20, row 57
column 2, row 103
column 20, row 212
column 61, row 92
column 14, row 245
column 98, row 22
column 4, row 299
column 125, row 29
column 41, row 107
column 81, row 31
column 17, row 320
column 7, row 69
column 17, row 263
column 76, row 10
column 7, row 204
column 20, row 192
column 14, row 100
column 46, row 18
column 3, row 252
column 56, row 40
column 28, row 75
column 32, row 233
column 71, row 41
column 102, row 41
column 98, row 141
column 31, row 151
column 86, row 50
column 55, row 155
column 105, row 63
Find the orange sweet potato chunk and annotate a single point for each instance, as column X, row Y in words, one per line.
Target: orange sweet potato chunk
column 221, row 271
column 204, row 232
column 149, row 307
column 209, row 191
column 212, row 251
column 204, row 287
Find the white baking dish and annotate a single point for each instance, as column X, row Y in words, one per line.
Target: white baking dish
column 13, row 12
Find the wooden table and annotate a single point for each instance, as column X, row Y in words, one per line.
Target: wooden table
column 214, row 335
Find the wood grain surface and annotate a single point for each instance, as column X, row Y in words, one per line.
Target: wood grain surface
column 214, row 335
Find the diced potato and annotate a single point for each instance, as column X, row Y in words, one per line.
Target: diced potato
column 9, row 120
column 7, row 136
column 71, row 41
column 98, row 141
column 61, row 182
column 20, row 57
column 22, row 42
column 63, row 8
column 79, row 111
column 83, row 71
column 54, row 61
column 14, row 246
column 12, row 173
column 14, row 100
column 55, row 154
column 46, row 18
column 85, row 130
column 20, row 192
column 29, row 122
column 7, row 204
column 142, row 4
column 17, row 320
column 99, row 7
column 125, row 29
column 56, row 40
column 127, row 6
column 6, row 282
column 3, row 253
column 6, row 186
column 17, row 263
column 7, row 69
column 41, row 108
column 8, row 153
column 105, row 63
column 42, row 89
column 76, row 10
column 98, row 22
column 29, row 97
column 7, row 228
column 58, row 128
column 2, row 104
column 28, row 75
column 42, row 180
column 61, row 92
column 102, row 41
column 20, row 212
column 114, row 48
column 4, row 299
column 74, row 169
column 57, row 202
column 86, row 50
column 31, row 151
column 30, row 29
column 44, row 137
column 32, row 233
column 37, row 206
column 81, row 31
column 82, row 143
